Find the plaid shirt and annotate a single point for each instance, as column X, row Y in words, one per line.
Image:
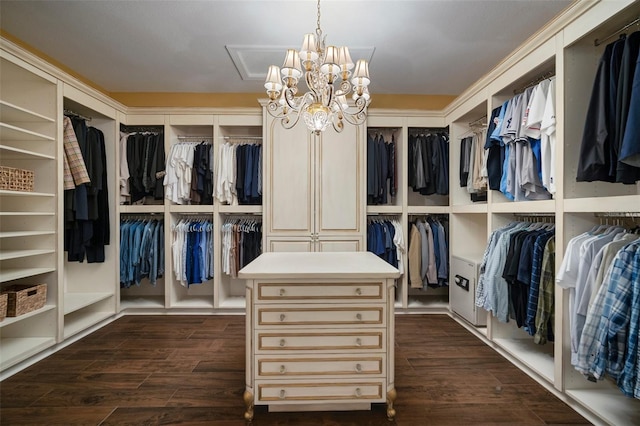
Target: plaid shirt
column 604, row 337
column 534, row 286
column 545, row 310
column 75, row 170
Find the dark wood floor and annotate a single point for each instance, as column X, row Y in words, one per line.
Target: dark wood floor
column 150, row 370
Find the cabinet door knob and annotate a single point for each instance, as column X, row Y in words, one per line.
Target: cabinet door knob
column 282, row 317
column 282, row 292
column 282, row 342
column 358, row 342
column 282, row 369
column 359, row 317
column 281, row 393
column 358, row 368
column 358, row 392
column 358, row 291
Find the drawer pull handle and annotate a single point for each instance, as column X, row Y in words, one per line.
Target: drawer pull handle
column 281, row 342
column 358, row 392
column 358, row 291
column 282, row 317
column 358, row 368
column 282, row 369
column 359, row 317
column 282, row 394
column 282, row 292
column 358, row 342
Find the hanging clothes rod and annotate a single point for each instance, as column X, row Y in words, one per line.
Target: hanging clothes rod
column 189, row 138
column 535, row 81
column 241, row 137
column 599, row 41
column 141, row 129
column 618, row 214
column 482, row 121
column 68, row 112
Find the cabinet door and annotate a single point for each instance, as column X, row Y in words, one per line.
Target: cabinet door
column 289, row 202
column 339, row 182
column 339, row 245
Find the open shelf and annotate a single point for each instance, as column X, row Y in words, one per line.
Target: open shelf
column 10, row 153
column 76, row 301
column 20, row 234
column 17, row 273
column 538, row 358
column 25, row 194
column 12, row 320
column 73, row 325
column 14, row 113
column 608, row 404
column 9, row 132
column 18, row 254
column 17, row 349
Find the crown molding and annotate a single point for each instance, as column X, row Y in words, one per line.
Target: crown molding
column 550, row 30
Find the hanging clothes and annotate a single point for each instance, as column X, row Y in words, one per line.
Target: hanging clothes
column 473, row 165
column 610, row 148
column 608, row 345
column 382, row 180
column 428, row 254
column 141, row 251
column 241, row 243
column 385, row 240
column 238, row 174
column 188, row 178
column 192, row 251
column 517, row 277
column 145, row 158
column 86, row 198
column 582, row 272
column 520, row 144
column 428, row 169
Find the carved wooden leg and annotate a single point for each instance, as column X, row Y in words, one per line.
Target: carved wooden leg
column 391, row 396
column 248, row 401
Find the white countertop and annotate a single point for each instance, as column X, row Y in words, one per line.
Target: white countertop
column 318, row 264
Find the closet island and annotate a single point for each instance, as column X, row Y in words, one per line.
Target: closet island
column 319, row 331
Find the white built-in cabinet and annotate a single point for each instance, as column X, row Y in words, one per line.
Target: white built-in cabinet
column 571, row 54
column 314, row 189
column 314, row 199
column 29, row 249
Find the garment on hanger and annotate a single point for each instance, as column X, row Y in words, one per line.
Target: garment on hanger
column 141, row 251
column 86, row 197
column 580, row 273
column 473, row 163
column 188, row 178
column 192, row 251
column 238, row 174
column 241, row 243
column 609, row 341
column 428, row 169
column 428, row 256
column 382, row 182
column 385, row 240
column 146, row 164
column 610, row 148
column 517, row 277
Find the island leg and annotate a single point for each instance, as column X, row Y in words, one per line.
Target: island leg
column 248, row 402
column 391, row 396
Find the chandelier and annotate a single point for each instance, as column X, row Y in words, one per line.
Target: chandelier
column 327, row 70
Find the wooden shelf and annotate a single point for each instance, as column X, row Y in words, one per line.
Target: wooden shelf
column 18, row 254
column 542, row 206
column 25, row 194
column 21, row 234
column 17, row 273
column 538, row 358
column 15, row 350
column 143, row 209
column 12, row 320
column 14, row 113
column 240, row 209
column 12, row 153
column 608, row 404
column 622, row 203
column 470, row 208
column 384, row 209
column 10, row 132
column 428, row 209
column 176, row 208
column 76, row 301
column 83, row 322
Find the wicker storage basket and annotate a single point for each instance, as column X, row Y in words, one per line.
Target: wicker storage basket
column 13, row 179
column 3, row 306
column 22, row 299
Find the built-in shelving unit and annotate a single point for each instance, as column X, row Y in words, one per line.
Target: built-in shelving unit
column 28, row 221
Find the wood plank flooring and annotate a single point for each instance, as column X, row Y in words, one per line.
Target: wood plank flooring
column 189, row 370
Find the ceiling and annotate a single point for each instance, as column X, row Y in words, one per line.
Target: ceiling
column 428, row 47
